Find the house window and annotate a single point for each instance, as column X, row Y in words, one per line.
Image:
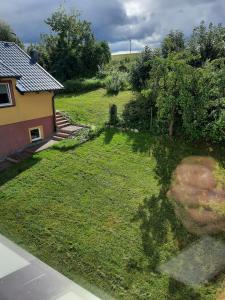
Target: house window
column 35, row 134
column 5, row 95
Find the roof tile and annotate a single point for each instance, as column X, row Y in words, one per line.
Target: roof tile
column 32, row 77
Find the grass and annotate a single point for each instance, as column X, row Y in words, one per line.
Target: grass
column 91, row 108
column 119, row 57
column 98, row 212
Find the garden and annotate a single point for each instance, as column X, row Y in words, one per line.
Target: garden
column 95, row 207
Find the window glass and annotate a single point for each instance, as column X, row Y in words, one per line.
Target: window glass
column 4, row 94
column 35, row 134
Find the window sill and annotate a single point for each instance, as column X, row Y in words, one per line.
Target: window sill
column 7, row 106
column 36, row 140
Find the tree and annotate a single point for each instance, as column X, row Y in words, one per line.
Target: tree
column 208, row 43
column 213, row 95
column 71, row 50
column 173, row 42
column 140, row 72
column 7, row 35
column 178, row 96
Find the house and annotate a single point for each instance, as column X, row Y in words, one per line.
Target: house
column 27, row 113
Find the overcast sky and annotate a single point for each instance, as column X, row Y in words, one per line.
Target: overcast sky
column 117, row 21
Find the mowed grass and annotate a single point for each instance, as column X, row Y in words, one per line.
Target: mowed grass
column 99, row 213
column 91, row 108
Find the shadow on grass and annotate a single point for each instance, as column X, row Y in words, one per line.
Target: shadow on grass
column 15, row 170
column 109, row 134
column 158, row 222
column 67, row 145
column 110, row 94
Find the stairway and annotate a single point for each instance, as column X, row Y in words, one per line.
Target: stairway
column 64, row 129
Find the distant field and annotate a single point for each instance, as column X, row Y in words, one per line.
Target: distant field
column 118, row 57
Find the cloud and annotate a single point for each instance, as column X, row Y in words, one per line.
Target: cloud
column 117, row 21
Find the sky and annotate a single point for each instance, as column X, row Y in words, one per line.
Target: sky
column 145, row 22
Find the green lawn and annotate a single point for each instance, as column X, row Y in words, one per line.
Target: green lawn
column 98, row 213
column 91, row 108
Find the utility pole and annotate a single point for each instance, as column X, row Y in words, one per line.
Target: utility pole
column 130, row 46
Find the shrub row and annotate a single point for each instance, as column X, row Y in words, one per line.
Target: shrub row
column 82, row 85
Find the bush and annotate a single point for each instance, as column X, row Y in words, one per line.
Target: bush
column 102, row 73
column 116, row 82
column 140, row 71
column 82, row 85
column 137, row 113
column 215, row 130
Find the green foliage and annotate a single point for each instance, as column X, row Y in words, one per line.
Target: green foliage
column 173, row 42
column 140, row 72
column 192, row 100
column 71, row 50
column 116, row 82
column 137, row 113
column 82, row 85
column 44, row 50
column 208, row 43
column 183, row 89
column 213, row 94
column 7, row 35
column 120, row 63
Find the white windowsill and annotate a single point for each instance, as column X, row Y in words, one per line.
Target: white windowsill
column 6, row 105
column 36, row 140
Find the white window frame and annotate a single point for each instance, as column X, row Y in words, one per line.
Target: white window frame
column 9, row 94
column 40, row 134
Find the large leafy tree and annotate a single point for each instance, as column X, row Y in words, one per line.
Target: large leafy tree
column 71, row 50
column 182, row 99
column 182, row 90
column 7, row 34
column 179, row 102
column 140, row 72
column 212, row 92
column 191, row 100
column 173, row 42
column 208, row 42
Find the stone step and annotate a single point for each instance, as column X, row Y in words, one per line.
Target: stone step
column 57, row 138
column 61, row 122
column 63, row 134
column 63, row 125
column 60, row 118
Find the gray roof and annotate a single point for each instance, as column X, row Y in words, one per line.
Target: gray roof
column 6, row 72
column 31, row 76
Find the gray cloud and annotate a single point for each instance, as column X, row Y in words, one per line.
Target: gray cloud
column 117, row 21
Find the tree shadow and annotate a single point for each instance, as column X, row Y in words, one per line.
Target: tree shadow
column 17, row 169
column 177, row 291
column 68, row 145
column 158, row 222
